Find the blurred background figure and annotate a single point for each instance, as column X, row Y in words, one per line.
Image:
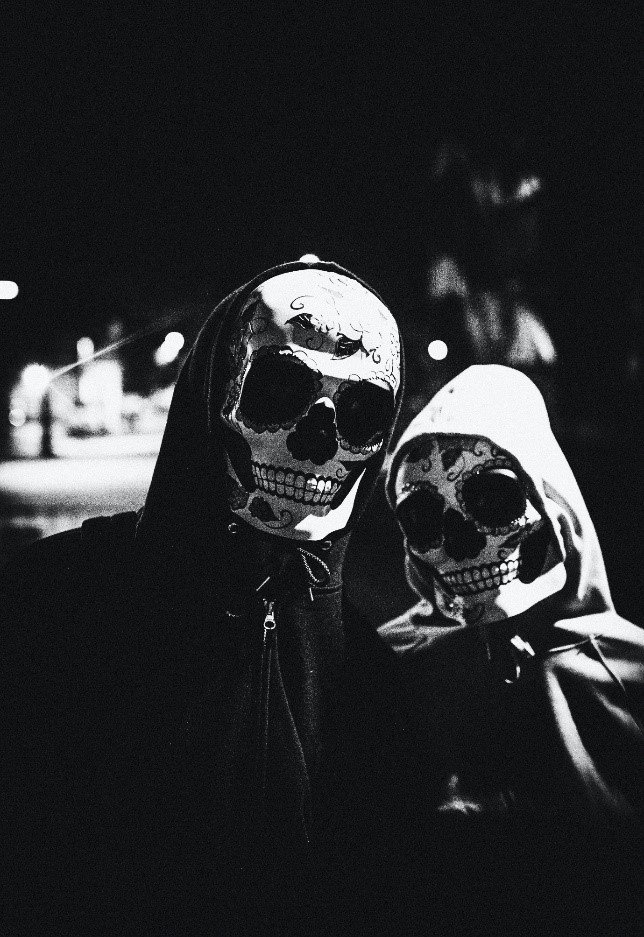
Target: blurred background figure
column 100, row 381
column 482, row 268
column 525, row 254
column 46, row 418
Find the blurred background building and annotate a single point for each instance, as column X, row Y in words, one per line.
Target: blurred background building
column 482, row 175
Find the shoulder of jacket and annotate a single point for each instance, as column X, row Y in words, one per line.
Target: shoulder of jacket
column 60, row 558
column 107, row 540
column 42, row 557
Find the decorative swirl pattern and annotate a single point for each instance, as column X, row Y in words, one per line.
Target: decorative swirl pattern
column 297, row 304
column 421, row 453
column 262, row 510
column 286, row 519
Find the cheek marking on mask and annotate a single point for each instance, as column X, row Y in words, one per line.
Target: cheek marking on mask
column 262, row 510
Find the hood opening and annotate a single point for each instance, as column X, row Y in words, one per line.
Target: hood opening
column 186, row 508
column 503, row 406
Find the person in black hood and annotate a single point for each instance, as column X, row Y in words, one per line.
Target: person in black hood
column 194, row 670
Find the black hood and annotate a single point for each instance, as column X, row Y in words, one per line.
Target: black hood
column 186, row 505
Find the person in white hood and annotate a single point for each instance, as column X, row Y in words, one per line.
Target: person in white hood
column 526, row 687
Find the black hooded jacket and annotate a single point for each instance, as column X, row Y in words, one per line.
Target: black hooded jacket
column 139, row 692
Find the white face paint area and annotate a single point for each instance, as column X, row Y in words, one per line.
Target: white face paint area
column 315, row 367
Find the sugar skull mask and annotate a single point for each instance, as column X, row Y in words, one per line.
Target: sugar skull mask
column 314, row 370
column 465, row 509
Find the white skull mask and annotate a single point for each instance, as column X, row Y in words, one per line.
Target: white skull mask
column 315, row 369
column 464, row 507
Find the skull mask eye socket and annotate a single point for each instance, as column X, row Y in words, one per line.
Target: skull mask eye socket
column 364, row 411
column 420, row 515
column 494, row 498
column 278, row 389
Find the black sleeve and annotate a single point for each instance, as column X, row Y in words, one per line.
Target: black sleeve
column 36, row 585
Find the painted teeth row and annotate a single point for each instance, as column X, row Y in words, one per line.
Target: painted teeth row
column 479, row 579
column 286, row 484
column 482, row 572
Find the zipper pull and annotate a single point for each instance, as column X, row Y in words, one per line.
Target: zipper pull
column 269, row 619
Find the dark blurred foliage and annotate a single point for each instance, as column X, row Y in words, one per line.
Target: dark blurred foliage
column 154, row 161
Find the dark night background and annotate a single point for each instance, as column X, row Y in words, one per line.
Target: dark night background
column 154, row 165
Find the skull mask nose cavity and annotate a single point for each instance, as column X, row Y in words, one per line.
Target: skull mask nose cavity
column 321, row 417
column 315, row 436
column 462, row 539
column 327, row 403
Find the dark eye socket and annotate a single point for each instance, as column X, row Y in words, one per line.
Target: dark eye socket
column 421, row 517
column 494, row 498
column 277, row 389
column 363, row 411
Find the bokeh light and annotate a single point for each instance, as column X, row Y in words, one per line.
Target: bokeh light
column 8, row 289
column 169, row 349
column 84, row 348
column 437, row 349
column 35, row 378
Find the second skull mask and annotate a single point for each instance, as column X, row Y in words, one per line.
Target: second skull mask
column 468, row 518
column 315, row 367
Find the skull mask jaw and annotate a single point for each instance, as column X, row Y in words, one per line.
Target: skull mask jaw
column 472, row 530
column 315, row 366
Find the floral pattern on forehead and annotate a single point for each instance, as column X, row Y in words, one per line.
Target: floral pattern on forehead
column 326, row 314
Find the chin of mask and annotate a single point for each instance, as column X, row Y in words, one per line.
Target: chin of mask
column 310, row 399
column 471, row 528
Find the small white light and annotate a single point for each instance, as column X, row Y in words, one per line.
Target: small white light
column 527, row 187
column 35, row 378
column 309, row 259
column 84, row 348
column 8, row 289
column 17, row 416
column 437, row 350
column 175, row 339
column 169, row 349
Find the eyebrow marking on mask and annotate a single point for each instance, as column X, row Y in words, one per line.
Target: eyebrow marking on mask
column 306, row 320
column 318, row 331
column 343, row 347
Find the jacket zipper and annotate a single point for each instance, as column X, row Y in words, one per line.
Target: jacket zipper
column 268, row 646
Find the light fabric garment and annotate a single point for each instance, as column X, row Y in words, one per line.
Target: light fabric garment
column 542, row 709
